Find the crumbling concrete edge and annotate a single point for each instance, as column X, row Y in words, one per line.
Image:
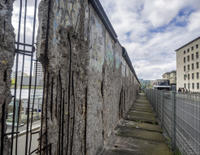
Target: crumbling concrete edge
column 7, row 52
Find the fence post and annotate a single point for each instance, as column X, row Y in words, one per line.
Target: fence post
column 162, row 105
column 173, row 120
column 157, row 102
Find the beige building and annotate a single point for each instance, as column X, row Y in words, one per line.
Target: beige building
column 171, row 76
column 187, row 63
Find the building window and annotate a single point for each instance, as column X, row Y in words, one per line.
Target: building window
column 188, row 76
column 188, row 50
column 192, row 85
column 184, row 52
column 197, row 75
column 197, row 85
column 189, row 86
column 185, row 76
column 197, row 65
column 184, row 68
column 188, row 67
column 197, row 55
column 184, row 60
column 192, row 48
column 192, row 56
column 192, row 66
column 185, row 85
column 192, row 75
column 188, row 58
column 197, row 45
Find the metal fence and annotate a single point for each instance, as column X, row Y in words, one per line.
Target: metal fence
column 24, row 111
column 179, row 116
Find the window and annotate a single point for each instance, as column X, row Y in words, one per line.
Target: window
column 197, row 65
column 192, row 48
column 192, row 66
column 192, row 85
column 192, row 56
column 185, row 85
column 188, row 76
column 188, row 58
column 184, row 52
column 184, row 60
column 189, row 86
column 197, row 55
column 197, row 75
column 197, row 45
column 188, row 50
column 185, row 77
column 192, row 75
column 197, row 85
column 184, row 68
column 188, row 67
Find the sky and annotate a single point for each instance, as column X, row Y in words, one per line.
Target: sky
column 151, row 31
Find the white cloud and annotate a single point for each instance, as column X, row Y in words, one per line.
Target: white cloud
column 138, row 23
column 150, row 47
column 194, row 21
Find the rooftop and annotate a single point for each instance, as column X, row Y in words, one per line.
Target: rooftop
column 187, row 44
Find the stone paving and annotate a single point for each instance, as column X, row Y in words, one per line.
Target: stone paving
column 138, row 133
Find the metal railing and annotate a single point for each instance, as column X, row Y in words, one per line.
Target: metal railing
column 23, row 117
column 179, row 116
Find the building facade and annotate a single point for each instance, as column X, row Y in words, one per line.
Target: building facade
column 187, row 63
column 171, row 76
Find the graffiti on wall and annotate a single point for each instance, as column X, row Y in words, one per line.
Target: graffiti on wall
column 96, row 44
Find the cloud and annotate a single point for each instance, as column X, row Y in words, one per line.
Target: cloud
column 194, row 21
column 152, row 30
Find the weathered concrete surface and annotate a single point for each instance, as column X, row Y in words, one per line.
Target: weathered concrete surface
column 88, row 84
column 7, row 48
column 140, row 125
column 137, row 138
column 138, row 133
column 132, row 146
column 142, row 109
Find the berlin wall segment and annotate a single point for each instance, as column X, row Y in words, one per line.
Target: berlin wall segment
column 87, row 81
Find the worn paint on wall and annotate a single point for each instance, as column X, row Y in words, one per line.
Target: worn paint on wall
column 109, row 50
column 97, row 33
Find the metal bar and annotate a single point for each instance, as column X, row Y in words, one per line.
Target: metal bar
column 46, row 113
column 25, row 52
column 30, row 81
column 24, row 44
column 33, row 108
column 162, row 109
column 60, row 107
column 16, row 74
column 3, row 127
column 24, row 41
column 173, row 120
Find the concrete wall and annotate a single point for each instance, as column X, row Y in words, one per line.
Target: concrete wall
column 7, row 49
column 89, row 85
